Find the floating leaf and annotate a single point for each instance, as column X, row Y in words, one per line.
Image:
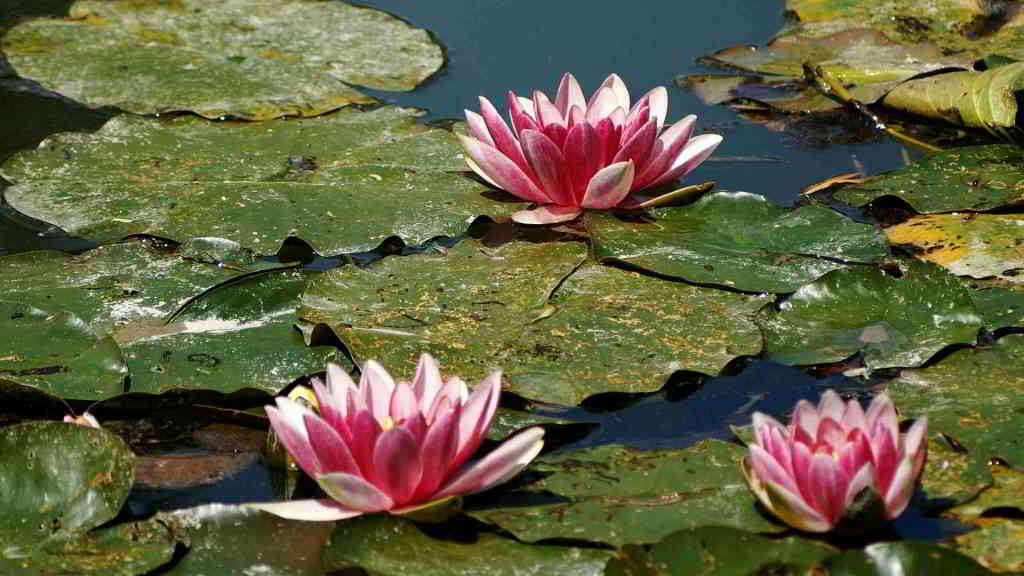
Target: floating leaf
column 969, row 178
column 477, row 309
column 1001, row 304
column 58, row 352
column 951, row 476
column 227, row 539
column 253, row 60
column 725, row 550
column 975, row 395
column 342, row 182
column 122, row 550
column 738, row 240
column 370, row 543
column 985, row 100
column 893, row 321
column 901, row 558
column 621, row 496
column 59, row 480
column 998, row 544
column 978, row 245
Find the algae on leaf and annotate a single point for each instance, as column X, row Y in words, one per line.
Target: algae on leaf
column 251, row 59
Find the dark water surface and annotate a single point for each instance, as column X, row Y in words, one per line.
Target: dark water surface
column 494, row 46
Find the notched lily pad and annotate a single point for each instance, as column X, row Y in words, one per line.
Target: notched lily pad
column 253, row 60
column 478, row 309
column 970, row 178
column 739, row 240
column 342, row 182
column 59, row 480
column 975, row 396
column 370, row 543
column 977, row 245
column 618, row 496
column 893, row 321
column 710, row 549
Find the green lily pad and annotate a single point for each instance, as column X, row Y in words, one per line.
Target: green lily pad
column 477, row 309
column 977, row 245
column 370, row 543
column 900, row 558
column 249, row 59
column 225, row 539
column 726, row 551
column 58, row 480
column 984, row 100
column 975, row 395
column 1000, row 303
column 998, row 544
column 969, row 178
column 619, row 496
column 739, row 240
column 893, row 321
column 122, row 550
column 951, row 476
column 58, row 352
column 1005, row 491
column 342, row 182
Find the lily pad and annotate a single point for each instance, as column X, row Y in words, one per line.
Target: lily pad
column 227, row 539
column 725, row 551
column 122, row 550
column 477, row 309
column 977, row 245
column 951, row 476
column 739, row 240
column 58, row 352
column 342, row 182
column 1005, row 491
column 1001, row 304
column 984, row 100
column 975, row 396
column 893, row 321
column 67, row 479
column 997, row 544
column 906, row 557
column 619, row 496
column 370, row 543
column 253, row 60
column 969, row 178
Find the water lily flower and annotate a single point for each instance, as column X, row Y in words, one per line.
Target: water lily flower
column 573, row 153
column 395, row 446
column 816, row 471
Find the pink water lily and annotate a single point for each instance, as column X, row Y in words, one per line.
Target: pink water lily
column 395, row 446
column 810, row 473
column 573, row 153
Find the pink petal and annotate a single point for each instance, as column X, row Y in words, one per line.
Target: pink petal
column 427, row 381
column 377, row 386
column 557, row 134
column 477, row 412
column 478, row 128
column 762, row 424
column 802, row 456
column 899, row 491
column 768, row 469
column 287, row 422
column 569, row 94
column 601, row 105
column 547, row 214
column 504, row 140
column 831, row 434
column 583, row 157
column 618, row 89
column 364, row 429
column 576, row 116
column 354, row 493
column 915, row 444
column 882, row 412
column 331, row 451
column 863, row 478
column 499, row 466
column 806, row 418
column 546, row 111
column 635, row 121
column 438, row 453
column 788, row 506
column 309, row 510
column 657, row 99
column 521, row 120
column 396, row 458
column 498, row 169
column 826, row 490
column 607, row 139
column 609, row 186
column 333, row 407
column 403, row 403
column 697, row 150
column 831, row 406
column 886, row 457
column 855, row 453
column 780, row 449
column 638, row 148
column 549, row 165
column 853, row 418
column 666, row 148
